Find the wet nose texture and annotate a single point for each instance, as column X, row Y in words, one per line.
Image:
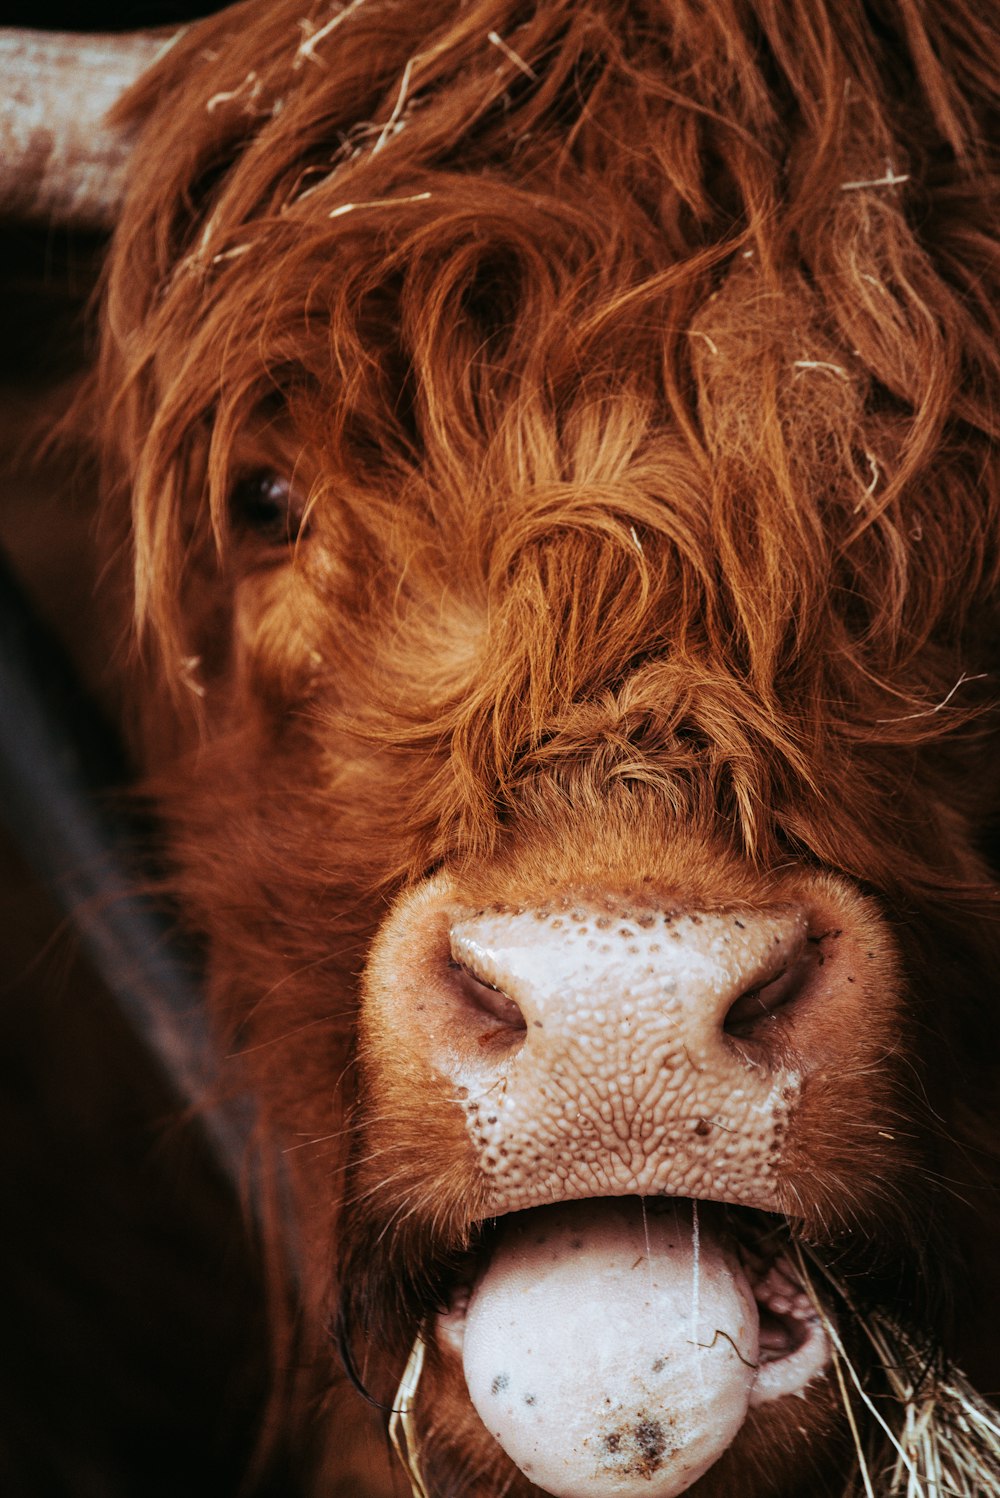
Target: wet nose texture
column 600, row 1052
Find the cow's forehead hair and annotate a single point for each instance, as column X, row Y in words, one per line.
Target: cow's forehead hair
column 702, row 303
column 301, row 193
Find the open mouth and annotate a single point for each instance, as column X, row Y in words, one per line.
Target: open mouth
column 615, row 1346
column 793, row 1347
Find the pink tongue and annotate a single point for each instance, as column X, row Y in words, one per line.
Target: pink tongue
column 610, row 1353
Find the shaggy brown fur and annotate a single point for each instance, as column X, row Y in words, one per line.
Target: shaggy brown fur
column 635, row 371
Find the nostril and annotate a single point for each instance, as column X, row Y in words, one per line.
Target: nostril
column 485, row 997
column 758, row 1006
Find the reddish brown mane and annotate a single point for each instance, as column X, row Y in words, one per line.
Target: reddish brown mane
column 637, row 366
column 806, row 543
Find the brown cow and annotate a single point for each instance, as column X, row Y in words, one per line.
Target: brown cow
column 554, row 450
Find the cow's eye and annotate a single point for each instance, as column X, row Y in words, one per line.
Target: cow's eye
column 267, row 504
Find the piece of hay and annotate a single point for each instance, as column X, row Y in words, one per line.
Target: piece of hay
column 926, row 1432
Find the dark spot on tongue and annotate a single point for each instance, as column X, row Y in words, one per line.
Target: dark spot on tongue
column 643, row 1444
column 650, row 1439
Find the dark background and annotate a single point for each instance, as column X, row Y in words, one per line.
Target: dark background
column 101, row 15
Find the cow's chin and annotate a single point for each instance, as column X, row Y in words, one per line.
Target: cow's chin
column 618, row 1346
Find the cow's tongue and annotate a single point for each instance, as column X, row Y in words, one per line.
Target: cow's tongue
column 610, row 1347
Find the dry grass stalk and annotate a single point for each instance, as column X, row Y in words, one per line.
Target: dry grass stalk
column 928, row 1433
column 402, row 1433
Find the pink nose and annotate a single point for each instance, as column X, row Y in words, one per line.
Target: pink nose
column 603, row 1050
column 636, row 1055
column 651, row 976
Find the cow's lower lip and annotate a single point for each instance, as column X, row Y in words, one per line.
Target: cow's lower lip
column 794, row 1347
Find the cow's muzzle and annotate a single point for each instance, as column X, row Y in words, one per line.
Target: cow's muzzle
column 589, row 1048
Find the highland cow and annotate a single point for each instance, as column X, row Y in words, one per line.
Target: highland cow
column 550, row 457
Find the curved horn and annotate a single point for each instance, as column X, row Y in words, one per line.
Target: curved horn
column 60, row 161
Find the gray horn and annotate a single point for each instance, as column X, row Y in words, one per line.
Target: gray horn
column 60, row 161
